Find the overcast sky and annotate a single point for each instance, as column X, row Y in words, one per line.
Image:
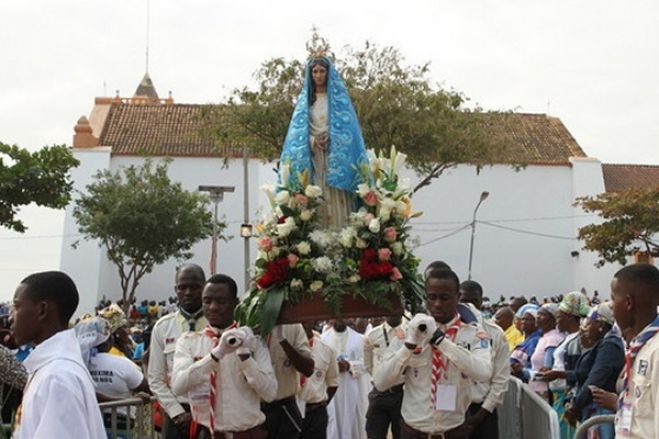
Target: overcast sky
column 592, row 63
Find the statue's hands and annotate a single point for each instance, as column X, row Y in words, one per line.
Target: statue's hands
column 320, row 142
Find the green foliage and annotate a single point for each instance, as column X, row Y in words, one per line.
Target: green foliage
column 631, row 224
column 396, row 105
column 142, row 218
column 40, row 177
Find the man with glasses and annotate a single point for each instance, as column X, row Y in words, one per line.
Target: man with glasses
column 190, row 280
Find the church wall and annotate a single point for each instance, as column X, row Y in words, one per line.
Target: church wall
column 537, row 199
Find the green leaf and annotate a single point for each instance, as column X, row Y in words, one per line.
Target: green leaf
column 274, row 297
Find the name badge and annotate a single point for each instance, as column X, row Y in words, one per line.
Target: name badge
column 624, row 420
column 446, row 398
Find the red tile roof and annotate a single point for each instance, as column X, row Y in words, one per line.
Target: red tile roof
column 622, row 177
column 178, row 130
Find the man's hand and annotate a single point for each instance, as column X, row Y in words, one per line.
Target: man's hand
column 420, row 330
column 571, row 416
column 552, row 375
column 229, row 342
column 182, row 421
column 604, row 399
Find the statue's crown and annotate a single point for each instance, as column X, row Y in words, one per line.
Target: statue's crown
column 318, row 47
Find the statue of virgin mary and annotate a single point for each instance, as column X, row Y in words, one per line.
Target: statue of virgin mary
column 324, row 138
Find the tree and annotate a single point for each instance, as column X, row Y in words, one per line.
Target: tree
column 40, row 177
column 631, row 224
column 142, row 218
column 396, row 105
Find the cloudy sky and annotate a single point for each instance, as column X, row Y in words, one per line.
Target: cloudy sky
column 592, row 63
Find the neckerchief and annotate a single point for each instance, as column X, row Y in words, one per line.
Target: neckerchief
column 634, row 347
column 439, row 362
column 303, row 378
column 191, row 318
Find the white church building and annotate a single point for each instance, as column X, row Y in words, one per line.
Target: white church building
column 524, row 234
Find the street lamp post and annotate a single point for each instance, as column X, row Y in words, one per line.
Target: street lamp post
column 484, row 195
column 216, row 194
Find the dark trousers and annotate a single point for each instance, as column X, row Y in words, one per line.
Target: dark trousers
column 488, row 429
column 383, row 411
column 314, row 425
column 169, row 428
column 282, row 419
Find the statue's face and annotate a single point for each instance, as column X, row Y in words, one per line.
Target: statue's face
column 319, row 74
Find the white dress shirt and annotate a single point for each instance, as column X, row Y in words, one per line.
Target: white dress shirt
column 240, row 385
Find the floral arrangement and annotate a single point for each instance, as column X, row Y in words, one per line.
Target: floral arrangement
column 368, row 257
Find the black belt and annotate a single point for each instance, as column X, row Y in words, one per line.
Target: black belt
column 315, row 405
column 279, row 402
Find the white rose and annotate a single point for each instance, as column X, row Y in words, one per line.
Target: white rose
column 385, row 214
column 360, row 243
column 397, row 248
column 322, row 264
column 303, row 248
column 374, row 225
column 313, row 191
column 363, row 189
column 297, row 284
column 286, row 228
column 306, row 215
column 316, row 285
column 292, row 203
column 354, row 279
column 346, row 240
column 282, row 197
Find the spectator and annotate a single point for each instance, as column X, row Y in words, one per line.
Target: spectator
column 121, row 342
column 543, row 356
column 520, row 359
column 599, row 367
column 561, row 376
column 504, row 318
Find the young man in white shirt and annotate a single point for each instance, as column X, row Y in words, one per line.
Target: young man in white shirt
column 224, row 371
column 59, row 398
column 317, row 390
column 190, row 279
column 441, row 357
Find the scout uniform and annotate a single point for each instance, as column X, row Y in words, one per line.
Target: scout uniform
column 438, row 379
column 313, row 390
column 383, row 404
column 224, row 396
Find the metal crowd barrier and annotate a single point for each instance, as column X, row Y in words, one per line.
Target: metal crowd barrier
column 134, row 422
column 525, row 415
column 582, row 431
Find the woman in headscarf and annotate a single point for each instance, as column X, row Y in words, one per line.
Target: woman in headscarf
column 121, row 343
column 324, row 138
column 561, row 376
column 543, row 356
column 520, row 359
column 598, row 367
column 115, row 377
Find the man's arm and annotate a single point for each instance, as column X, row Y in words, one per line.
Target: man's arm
column 368, row 352
column 499, row 381
column 157, row 374
column 300, row 354
column 391, row 369
column 188, row 373
column 475, row 363
column 258, row 371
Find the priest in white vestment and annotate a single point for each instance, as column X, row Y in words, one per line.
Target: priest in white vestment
column 347, row 410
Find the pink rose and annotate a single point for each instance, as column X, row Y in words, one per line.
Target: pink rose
column 292, row 260
column 395, row 274
column 370, row 198
column 390, row 234
column 301, row 199
column 265, row 244
column 384, row 254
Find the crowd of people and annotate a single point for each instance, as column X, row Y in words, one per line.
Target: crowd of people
column 438, row 374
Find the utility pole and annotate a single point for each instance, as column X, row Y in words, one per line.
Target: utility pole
column 484, row 195
column 246, row 227
column 216, row 195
